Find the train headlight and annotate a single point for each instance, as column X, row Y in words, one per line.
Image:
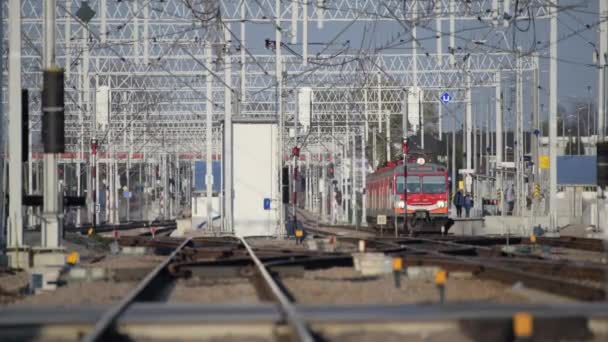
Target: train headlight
column 400, row 204
column 441, row 204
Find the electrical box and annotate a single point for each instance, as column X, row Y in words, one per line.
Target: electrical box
column 256, row 178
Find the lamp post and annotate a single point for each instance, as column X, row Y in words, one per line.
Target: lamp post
column 588, row 112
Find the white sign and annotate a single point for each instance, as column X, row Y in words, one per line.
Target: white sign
column 414, row 95
column 102, row 106
column 304, row 106
column 381, row 220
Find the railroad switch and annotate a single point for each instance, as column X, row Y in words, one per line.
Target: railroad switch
column 73, row 258
column 523, row 326
column 299, row 236
column 440, row 280
column 397, row 270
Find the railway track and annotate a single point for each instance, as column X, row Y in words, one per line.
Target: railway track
column 485, row 258
column 151, row 288
column 292, row 316
column 186, row 255
column 143, row 311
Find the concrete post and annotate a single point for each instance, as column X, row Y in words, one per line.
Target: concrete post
column 15, row 186
column 208, row 138
column 553, row 144
column 51, row 225
column 227, row 153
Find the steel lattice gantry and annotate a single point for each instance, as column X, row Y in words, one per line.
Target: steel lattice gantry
column 150, row 55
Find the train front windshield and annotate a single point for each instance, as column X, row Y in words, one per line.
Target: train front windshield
column 413, row 184
column 433, row 184
column 426, row 184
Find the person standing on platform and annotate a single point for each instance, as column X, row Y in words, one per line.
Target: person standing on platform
column 458, row 203
column 468, row 204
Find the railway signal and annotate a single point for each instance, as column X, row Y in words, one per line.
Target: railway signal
column 330, row 170
column 536, row 190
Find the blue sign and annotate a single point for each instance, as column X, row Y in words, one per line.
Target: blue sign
column 126, row 194
column 446, row 98
column 266, row 203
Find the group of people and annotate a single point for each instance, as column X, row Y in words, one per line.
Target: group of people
column 466, row 201
column 461, row 201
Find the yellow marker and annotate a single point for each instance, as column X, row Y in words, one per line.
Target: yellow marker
column 397, row 264
column 299, row 232
column 533, row 238
column 90, row 231
column 440, row 277
column 522, row 324
column 73, row 258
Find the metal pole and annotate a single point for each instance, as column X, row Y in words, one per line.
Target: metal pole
column 388, row 136
column 553, row 112
column 519, row 145
column 439, row 43
column 404, row 127
column 3, row 160
column 243, row 55
column 474, row 127
column 452, row 31
column 323, row 186
column 304, row 33
column 279, row 112
column 440, row 118
column 603, row 50
column 578, row 133
column 488, row 139
column 535, row 117
column 454, row 178
column 51, row 225
column 227, row 155
column 15, row 186
column 208, row 139
column 498, row 147
column 589, row 115
column 363, row 181
column 375, row 154
column 364, row 138
column 469, row 123
column 379, row 99
column 353, row 193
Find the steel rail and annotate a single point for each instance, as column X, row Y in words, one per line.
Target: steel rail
column 544, row 278
column 294, row 319
column 110, row 317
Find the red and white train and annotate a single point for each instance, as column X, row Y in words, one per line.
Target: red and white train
column 427, row 196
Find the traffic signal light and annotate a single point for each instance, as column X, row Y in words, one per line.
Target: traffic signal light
column 25, row 123
column 285, row 185
column 330, row 170
column 602, row 164
column 53, row 112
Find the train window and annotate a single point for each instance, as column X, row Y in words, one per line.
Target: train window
column 433, row 184
column 413, row 184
